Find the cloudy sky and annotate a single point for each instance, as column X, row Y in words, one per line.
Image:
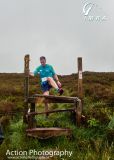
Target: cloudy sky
column 58, row 30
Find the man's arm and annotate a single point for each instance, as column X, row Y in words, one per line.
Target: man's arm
column 57, row 80
column 31, row 73
column 55, row 77
column 35, row 72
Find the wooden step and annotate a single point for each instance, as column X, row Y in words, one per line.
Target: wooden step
column 38, row 98
column 44, row 133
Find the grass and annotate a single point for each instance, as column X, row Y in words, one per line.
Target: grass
column 92, row 141
column 86, row 143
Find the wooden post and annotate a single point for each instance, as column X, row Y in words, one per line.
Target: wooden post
column 80, row 92
column 32, row 120
column 46, row 109
column 26, row 71
column 75, row 106
column 80, row 88
column 78, row 112
column 26, row 85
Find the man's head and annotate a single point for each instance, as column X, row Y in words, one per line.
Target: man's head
column 43, row 60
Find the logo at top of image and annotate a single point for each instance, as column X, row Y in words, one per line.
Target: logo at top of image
column 93, row 12
column 87, row 8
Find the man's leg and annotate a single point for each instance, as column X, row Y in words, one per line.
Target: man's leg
column 52, row 83
column 46, row 93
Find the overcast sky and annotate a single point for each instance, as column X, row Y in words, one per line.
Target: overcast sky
column 58, row 30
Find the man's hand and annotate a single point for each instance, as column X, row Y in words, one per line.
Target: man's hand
column 31, row 73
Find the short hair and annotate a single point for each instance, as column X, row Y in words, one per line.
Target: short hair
column 42, row 57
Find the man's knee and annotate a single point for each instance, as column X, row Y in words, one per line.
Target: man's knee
column 46, row 93
column 49, row 79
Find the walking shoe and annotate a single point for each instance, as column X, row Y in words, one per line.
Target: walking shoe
column 60, row 91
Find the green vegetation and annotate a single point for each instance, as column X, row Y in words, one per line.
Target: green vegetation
column 93, row 140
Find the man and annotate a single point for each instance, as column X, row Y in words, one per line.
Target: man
column 48, row 77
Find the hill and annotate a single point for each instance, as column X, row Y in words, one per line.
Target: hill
column 93, row 140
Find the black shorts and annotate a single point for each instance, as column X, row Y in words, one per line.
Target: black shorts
column 45, row 86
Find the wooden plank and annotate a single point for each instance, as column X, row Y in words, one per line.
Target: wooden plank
column 58, row 97
column 52, row 99
column 44, row 133
column 53, row 111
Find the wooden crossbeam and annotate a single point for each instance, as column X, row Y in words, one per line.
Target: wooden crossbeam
column 52, row 99
column 53, row 111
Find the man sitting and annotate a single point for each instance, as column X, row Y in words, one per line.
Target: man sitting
column 48, row 77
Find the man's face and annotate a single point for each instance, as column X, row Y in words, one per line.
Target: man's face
column 43, row 62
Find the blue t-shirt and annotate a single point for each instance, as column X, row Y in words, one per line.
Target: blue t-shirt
column 44, row 71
